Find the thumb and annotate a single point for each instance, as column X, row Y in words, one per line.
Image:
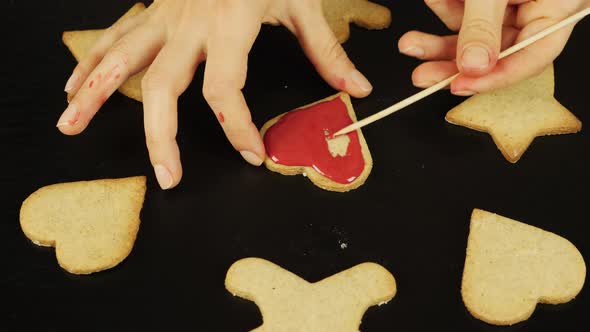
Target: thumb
column 327, row 55
column 480, row 38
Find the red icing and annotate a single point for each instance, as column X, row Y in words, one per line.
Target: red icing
column 220, row 117
column 75, row 119
column 299, row 139
column 110, row 73
column 342, row 84
column 91, row 84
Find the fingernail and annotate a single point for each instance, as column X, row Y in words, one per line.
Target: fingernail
column 71, row 82
column 475, row 57
column 464, row 93
column 69, row 117
column 424, row 84
column 414, row 51
column 164, row 177
column 251, row 157
column 361, row 81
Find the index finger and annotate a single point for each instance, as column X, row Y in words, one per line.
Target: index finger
column 234, row 29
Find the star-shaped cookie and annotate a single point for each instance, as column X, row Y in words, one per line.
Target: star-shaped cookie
column 514, row 116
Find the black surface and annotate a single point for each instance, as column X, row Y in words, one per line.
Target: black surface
column 411, row 216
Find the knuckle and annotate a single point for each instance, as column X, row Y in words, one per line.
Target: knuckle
column 151, row 140
column 334, row 52
column 154, row 80
column 215, row 91
column 482, row 28
column 120, row 51
column 155, row 139
column 431, row 3
column 89, row 62
column 237, row 134
column 112, row 32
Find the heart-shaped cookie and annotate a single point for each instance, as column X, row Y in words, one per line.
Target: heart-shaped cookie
column 91, row 224
column 301, row 142
column 511, row 266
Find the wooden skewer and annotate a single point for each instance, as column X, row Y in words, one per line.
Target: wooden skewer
column 427, row 92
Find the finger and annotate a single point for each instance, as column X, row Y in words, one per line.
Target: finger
column 448, row 11
column 326, row 53
column 166, row 79
column 110, row 36
column 128, row 56
column 432, row 72
column 232, row 33
column 521, row 65
column 480, row 37
column 428, row 47
column 533, row 10
column 431, row 47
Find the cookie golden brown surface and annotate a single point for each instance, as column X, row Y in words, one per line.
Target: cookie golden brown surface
column 341, row 13
column 514, row 116
column 290, row 304
column 511, row 266
column 91, row 224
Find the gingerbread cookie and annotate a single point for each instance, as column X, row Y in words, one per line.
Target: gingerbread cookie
column 511, row 266
column 291, row 304
column 91, row 224
column 301, row 142
column 340, row 13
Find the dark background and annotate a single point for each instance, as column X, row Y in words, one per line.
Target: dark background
column 411, row 216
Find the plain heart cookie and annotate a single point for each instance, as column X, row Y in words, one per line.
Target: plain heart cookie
column 511, row 266
column 291, row 304
column 91, row 224
column 301, row 142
